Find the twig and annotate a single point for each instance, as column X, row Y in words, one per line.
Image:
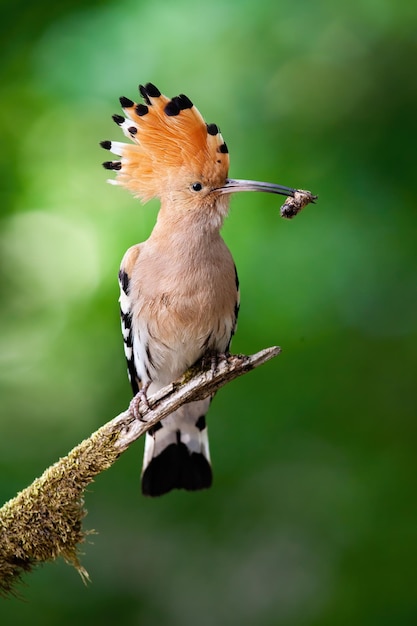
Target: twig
column 44, row 520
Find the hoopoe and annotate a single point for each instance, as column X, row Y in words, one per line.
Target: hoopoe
column 179, row 290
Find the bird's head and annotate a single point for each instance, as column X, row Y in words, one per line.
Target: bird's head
column 175, row 155
column 173, row 151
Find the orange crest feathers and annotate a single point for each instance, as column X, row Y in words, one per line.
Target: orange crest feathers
column 171, row 140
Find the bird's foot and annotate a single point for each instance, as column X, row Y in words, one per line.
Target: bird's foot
column 140, row 398
column 212, row 360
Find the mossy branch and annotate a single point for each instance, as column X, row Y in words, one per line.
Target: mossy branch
column 44, row 520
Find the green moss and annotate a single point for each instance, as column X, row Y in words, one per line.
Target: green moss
column 44, row 521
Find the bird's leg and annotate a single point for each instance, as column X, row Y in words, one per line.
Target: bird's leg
column 212, row 359
column 141, row 396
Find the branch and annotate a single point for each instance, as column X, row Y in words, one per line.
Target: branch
column 44, row 520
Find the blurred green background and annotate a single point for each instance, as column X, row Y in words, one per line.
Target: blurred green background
column 312, row 517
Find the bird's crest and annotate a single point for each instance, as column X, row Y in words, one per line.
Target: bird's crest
column 170, row 140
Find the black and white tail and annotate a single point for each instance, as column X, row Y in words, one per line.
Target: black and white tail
column 177, row 452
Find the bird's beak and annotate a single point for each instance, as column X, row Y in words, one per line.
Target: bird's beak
column 233, row 185
column 296, row 200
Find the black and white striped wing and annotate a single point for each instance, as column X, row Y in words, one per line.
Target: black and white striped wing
column 126, row 316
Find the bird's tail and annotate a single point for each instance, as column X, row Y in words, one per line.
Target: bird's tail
column 177, row 452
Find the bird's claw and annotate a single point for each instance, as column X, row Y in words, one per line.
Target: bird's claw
column 212, row 361
column 141, row 397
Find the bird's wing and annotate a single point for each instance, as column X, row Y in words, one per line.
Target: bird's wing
column 126, row 306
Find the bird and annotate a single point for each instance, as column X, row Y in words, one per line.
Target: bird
column 179, row 289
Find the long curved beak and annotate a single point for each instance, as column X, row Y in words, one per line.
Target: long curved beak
column 233, row 185
column 296, row 200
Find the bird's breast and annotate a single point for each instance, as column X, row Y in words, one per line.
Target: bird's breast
column 184, row 307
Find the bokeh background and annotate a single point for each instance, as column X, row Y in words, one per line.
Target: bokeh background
column 312, row 517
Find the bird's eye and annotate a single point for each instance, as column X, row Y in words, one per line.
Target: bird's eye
column 196, row 186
